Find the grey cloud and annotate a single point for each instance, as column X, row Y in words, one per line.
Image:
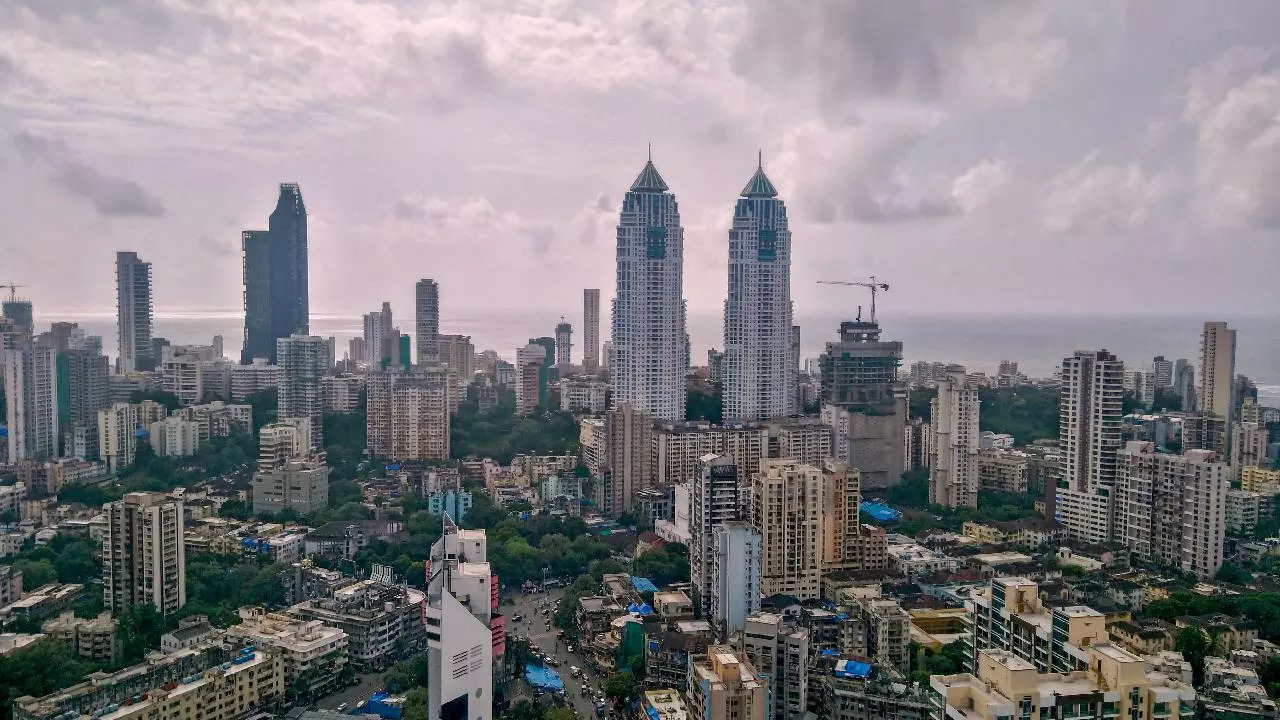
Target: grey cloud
column 717, row 133
column 110, row 195
column 540, row 239
column 905, row 48
column 405, row 209
column 141, row 25
column 217, row 247
column 603, row 203
column 7, row 70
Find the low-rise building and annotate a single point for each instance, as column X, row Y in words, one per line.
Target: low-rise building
column 382, row 622
column 1115, row 684
column 92, row 638
column 312, row 652
column 583, row 394
column 191, row 632
column 175, row 437
column 1004, row 470
column 724, row 686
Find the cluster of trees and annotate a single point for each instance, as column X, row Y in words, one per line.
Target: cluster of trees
column 217, row 587
column 40, row 668
column 1260, row 607
column 664, row 565
column 66, row 559
column 704, row 402
column 1027, row 413
column 925, row 661
column 502, row 435
column 993, row 506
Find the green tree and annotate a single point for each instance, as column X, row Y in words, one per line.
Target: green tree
column 38, row 669
column 36, row 572
column 417, row 705
column 139, row 629
column 704, row 402
column 408, row 674
column 167, row 399
column 1232, row 573
column 1194, row 644
column 560, row 713
column 76, row 561
column 235, row 509
column 620, row 687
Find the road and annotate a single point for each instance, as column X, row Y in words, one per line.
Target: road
column 354, row 694
column 534, row 627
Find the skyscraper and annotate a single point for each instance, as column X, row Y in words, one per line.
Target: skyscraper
column 953, row 477
column 1090, row 430
column 591, row 329
column 864, row 403
column 133, row 313
column 760, row 371
column 427, row 321
column 529, row 372
column 380, row 338
column 463, row 625
column 276, row 301
column 733, row 575
column 31, row 392
column 143, row 558
column 716, row 499
column 1217, row 371
column 302, row 361
column 83, row 390
column 629, row 435
column 1184, row 384
column 648, row 312
column 564, row 347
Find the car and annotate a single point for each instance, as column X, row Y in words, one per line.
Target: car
column 342, row 707
column 518, row 618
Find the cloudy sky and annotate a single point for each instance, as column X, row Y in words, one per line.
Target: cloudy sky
column 982, row 157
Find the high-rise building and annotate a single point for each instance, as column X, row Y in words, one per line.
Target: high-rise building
column 529, row 373
column 779, row 651
column 1162, row 372
column 427, row 321
column 174, row 437
column 787, row 510
column 649, row 312
column 1009, row 614
column 724, row 686
column 953, row 474
column 83, row 390
column 20, row 314
column 143, row 558
column 564, row 347
column 591, row 329
column 759, row 367
column 864, row 403
column 716, row 498
column 31, row 392
column 1171, row 509
column 628, row 436
column 842, row 523
column 117, row 435
column 1250, row 445
column 303, row 360
column 276, row 301
column 1090, row 430
column 733, row 576
column 408, row 416
column 133, row 313
column 466, row 636
column 280, row 442
column 1184, row 384
column 1217, row 370
column 300, row 484
column 183, row 376
column 381, row 339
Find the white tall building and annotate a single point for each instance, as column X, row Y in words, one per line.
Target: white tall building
column 459, row 613
column 143, row 558
column 133, row 313
column 649, row 313
column 302, row 361
column 1216, row 396
column 734, row 576
column 377, row 336
column 787, row 509
column 427, row 321
column 953, row 475
column 31, row 392
column 591, row 329
column 716, row 499
column 117, row 435
column 1090, row 432
column 759, row 360
column 175, row 437
column 1172, row 509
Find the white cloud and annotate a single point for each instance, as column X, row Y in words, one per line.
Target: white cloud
column 1095, row 197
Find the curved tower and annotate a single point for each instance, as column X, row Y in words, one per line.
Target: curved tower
column 759, row 367
column 648, row 310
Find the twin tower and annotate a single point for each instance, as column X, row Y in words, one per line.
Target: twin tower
column 650, row 341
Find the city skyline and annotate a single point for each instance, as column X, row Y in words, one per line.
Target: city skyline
column 920, row 170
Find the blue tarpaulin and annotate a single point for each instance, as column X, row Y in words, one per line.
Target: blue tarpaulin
column 880, row 512
column 830, row 652
column 385, row 706
column 640, row 609
column 852, row 669
column 643, row 585
column 543, row 677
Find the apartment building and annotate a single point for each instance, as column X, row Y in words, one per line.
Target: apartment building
column 1091, row 429
column 1009, row 615
column 723, row 685
column 174, row 437
column 787, row 510
column 1003, row 470
column 143, row 555
column 733, row 576
column 953, row 472
column 1113, row 684
column 377, row 619
column 715, row 499
column 309, row 650
column 779, row 652
column 1172, row 509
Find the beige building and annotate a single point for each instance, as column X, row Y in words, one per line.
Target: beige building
column 219, row 419
column 530, row 360
column 953, row 471
column 174, row 437
column 841, row 519
column 1249, row 442
column 408, row 416
column 1114, row 684
column 677, row 448
column 91, row 638
column 779, row 652
column 724, row 686
column 282, row 441
column 787, row 510
column 1172, row 509
column 117, row 436
column 1260, row 480
column 628, row 434
column 309, row 649
column 252, row 680
column 1009, row 615
column 143, row 555
column 1004, row 470
column 341, row 393
column 299, row 484
column 184, row 377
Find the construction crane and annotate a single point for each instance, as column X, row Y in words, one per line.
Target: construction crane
column 13, row 291
column 870, row 284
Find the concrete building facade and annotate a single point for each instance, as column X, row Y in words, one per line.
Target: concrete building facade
column 953, row 471
column 143, row 555
column 1090, row 435
column 787, row 509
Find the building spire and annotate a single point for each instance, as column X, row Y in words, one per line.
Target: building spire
column 649, row 180
column 759, row 185
column 760, row 159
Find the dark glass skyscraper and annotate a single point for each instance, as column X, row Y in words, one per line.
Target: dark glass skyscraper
column 276, row 303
